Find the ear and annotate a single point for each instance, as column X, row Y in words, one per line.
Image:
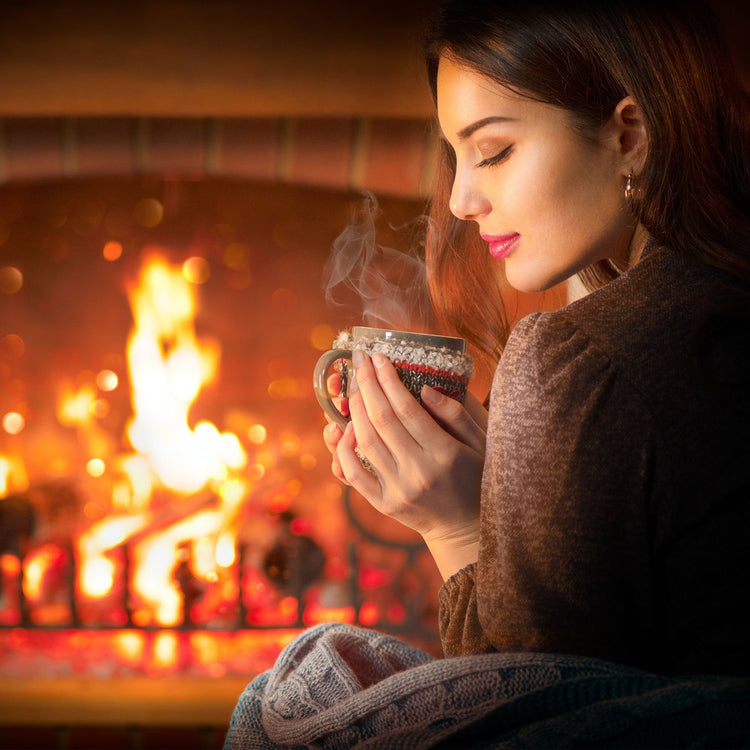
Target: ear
column 630, row 126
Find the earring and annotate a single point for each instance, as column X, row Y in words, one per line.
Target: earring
column 629, row 190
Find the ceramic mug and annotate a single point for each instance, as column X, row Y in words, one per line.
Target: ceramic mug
column 419, row 358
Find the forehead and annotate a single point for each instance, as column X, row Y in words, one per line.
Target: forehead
column 465, row 96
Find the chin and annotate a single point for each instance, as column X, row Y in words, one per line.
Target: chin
column 531, row 281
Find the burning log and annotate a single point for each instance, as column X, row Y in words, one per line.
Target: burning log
column 295, row 562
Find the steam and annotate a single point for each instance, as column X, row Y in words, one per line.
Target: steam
column 387, row 287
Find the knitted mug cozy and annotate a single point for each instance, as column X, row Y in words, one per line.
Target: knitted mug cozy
column 416, row 363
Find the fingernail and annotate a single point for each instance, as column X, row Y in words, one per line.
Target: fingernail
column 354, row 386
column 358, row 358
column 379, row 359
column 431, row 396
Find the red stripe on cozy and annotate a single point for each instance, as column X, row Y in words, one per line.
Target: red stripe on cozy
column 430, row 370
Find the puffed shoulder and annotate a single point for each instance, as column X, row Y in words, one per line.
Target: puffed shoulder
column 549, row 357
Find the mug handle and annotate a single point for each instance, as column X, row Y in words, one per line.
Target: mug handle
column 320, row 384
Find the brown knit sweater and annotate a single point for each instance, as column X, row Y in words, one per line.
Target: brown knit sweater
column 615, row 508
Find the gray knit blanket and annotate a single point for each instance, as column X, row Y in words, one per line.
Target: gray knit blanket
column 336, row 686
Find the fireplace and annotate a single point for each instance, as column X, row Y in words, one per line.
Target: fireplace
column 169, row 517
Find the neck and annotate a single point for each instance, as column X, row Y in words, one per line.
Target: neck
column 637, row 244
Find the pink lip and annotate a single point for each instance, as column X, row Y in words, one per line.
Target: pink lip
column 501, row 246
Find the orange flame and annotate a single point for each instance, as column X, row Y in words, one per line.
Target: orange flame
column 13, row 477
column 95, row 570
column 168, row 366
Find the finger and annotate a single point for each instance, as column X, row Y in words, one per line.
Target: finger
column 454, row 418
column 477, row 411
column 364, row 481
column 370, row 442
column 334, row 384
column 410, row 417
column 336, row 469
column 331, row 435
column 379, row 432
column 342, row 404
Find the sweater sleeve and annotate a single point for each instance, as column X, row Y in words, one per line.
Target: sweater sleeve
column 564, row 550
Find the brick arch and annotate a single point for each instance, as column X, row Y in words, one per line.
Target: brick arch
column 387, row 156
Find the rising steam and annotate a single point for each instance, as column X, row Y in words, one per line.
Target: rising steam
column 387, row 287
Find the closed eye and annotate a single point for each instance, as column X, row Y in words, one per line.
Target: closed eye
column 493, row 160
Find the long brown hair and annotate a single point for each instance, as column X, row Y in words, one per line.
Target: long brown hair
column 693, row 194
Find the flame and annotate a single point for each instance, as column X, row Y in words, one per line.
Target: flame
column 13, row 477
column 129, row 645
column 157, row 556
column 168, row 366
column 10, row 565
column 36, row 565
column 95, row 570
column 76, row 407
column 166, row 647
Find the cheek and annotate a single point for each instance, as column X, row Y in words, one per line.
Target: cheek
column 539, row 194
column 566, row 192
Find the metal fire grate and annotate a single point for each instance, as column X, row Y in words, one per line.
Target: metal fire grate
column 292, row 565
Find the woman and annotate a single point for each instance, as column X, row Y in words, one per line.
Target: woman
column 602, row 506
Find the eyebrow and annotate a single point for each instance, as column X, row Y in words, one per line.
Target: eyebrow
column 464, row 133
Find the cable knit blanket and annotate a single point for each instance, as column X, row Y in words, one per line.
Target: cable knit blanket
column 336, row 686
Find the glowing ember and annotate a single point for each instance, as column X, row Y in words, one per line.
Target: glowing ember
column 12, row 475
column 156, row 579
column 36, row 566
column 96, row 570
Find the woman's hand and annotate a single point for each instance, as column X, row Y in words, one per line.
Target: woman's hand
column 427, row 462
column 332, row 432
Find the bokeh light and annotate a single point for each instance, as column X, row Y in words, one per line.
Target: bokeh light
column 196, row 270
column 11, row 280
column 13, row 422
column 236, row 256
column 106, row 380
column 96, row 467
column 112, row 250
column 148, row 213
column 322, row 336
column 100, row 408
column 12, row 346
column 257, row 434
column 308, row 462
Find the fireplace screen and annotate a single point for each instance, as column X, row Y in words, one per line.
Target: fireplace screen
column 166, row 502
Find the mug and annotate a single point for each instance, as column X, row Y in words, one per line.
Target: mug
column 419, row 358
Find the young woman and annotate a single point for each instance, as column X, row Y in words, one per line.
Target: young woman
column 601, row 507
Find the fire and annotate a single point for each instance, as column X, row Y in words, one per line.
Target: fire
column 35, row 567
column 96, row 571
column 76, row 407
column 13, row 477
column 168, row 366
column 159, row 555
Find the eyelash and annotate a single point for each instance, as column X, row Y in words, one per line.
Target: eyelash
column 493, row 160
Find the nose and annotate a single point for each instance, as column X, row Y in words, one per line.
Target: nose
column 468, row 201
